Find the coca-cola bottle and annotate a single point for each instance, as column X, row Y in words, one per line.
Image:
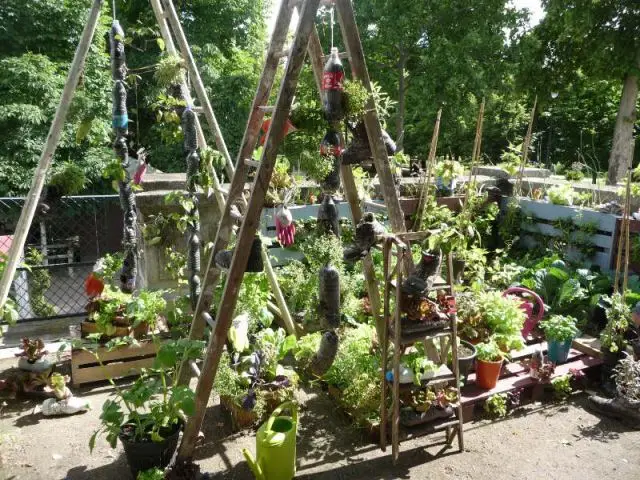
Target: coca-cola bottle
column 332, row 89
column 331, row 147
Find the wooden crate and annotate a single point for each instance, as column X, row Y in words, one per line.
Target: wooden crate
column 122, row 362
column 546, row 213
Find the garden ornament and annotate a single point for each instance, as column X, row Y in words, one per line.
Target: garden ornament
column 276, row 446
column 67, row 406
column 285, row 227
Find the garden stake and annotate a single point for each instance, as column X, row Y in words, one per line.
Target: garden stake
column 426, row 176
column 525, row 150
column 475, row 155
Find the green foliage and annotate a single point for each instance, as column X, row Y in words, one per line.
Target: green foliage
column 274, row 345
column 254, row 295
column 574, row 175
column 70, row 179
column 307, row 346
column 503, row 317
column 562, row 386
column 169, row 71
column 560, row 328
column 39, row 282
column 612, row 336
column 561, row 194
column 357, row 97
column 496, row 405
column 152, row 474
column 448, row 169
column 355, row 373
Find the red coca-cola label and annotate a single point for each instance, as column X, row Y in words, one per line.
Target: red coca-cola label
column 335, row 150
column 332, row 80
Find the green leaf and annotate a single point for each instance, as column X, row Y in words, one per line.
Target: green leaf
column 92, row 441
column 160, row 43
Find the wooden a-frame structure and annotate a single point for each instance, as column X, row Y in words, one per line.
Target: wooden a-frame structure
column 305, row 40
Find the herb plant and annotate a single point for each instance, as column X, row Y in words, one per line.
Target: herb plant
column 489, row 351
column 627, row 377
column 561, row 194
column 560, row 328
column 612, row 336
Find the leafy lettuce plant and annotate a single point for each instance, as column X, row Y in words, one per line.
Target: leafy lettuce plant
column 561, row 194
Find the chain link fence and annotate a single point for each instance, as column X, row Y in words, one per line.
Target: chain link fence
column 61, row 249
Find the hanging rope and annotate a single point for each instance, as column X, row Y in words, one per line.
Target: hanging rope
column 120, row 124
column 332, row 15
column 525, row 150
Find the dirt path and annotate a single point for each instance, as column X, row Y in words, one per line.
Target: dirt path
column 561, row 442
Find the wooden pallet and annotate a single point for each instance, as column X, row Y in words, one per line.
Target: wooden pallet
column 515, row 376
column 121, row 362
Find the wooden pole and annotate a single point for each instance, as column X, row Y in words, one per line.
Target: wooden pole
column 351, row 38
column 174, row 21
column 525, row 149
column 248, row 229
column 477, row 142
column 424, row 190
column 46, row 158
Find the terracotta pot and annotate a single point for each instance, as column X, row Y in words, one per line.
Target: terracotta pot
column 240, row 418
column 487, row 373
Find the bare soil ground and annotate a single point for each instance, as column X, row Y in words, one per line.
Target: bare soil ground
column 541, row 441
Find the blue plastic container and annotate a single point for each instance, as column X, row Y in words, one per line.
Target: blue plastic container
column 558, row 351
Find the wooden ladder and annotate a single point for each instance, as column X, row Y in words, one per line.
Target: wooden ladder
column 437, row 345
column 305, row 39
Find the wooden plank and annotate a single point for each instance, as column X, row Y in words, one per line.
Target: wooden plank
column 588, row 344
column 110, row 371
column 249, row 227
column 46, row 157
column 82, row 356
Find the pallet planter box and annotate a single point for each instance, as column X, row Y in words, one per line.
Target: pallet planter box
column 545, row 214
column 515, row 376
column 121, row 362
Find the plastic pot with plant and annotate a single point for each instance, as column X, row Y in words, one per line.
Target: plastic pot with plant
column 428, row 405
column 489, row 359
column 31, row 356
column 560, row 330
column 147, row 416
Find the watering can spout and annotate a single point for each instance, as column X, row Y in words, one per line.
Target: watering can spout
column 253, row 465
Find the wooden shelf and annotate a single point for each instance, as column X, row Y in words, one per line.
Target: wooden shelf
column 411, row 338
column 444, row 374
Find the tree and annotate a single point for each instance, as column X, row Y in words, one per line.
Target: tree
column 601, row 38
column 451, row 54
column 37, row 43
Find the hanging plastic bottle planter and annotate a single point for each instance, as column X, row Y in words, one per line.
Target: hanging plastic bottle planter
column 329, row 296
column 332, row 88
column 331, row 148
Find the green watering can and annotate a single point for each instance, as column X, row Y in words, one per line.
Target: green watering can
column 276, row 446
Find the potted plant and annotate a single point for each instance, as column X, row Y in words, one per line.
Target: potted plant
column 489, row 359
column 147, row 416
column 31, row 357
column 560, row 331
column 466, row 356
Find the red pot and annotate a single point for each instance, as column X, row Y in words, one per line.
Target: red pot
column 487, row 373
